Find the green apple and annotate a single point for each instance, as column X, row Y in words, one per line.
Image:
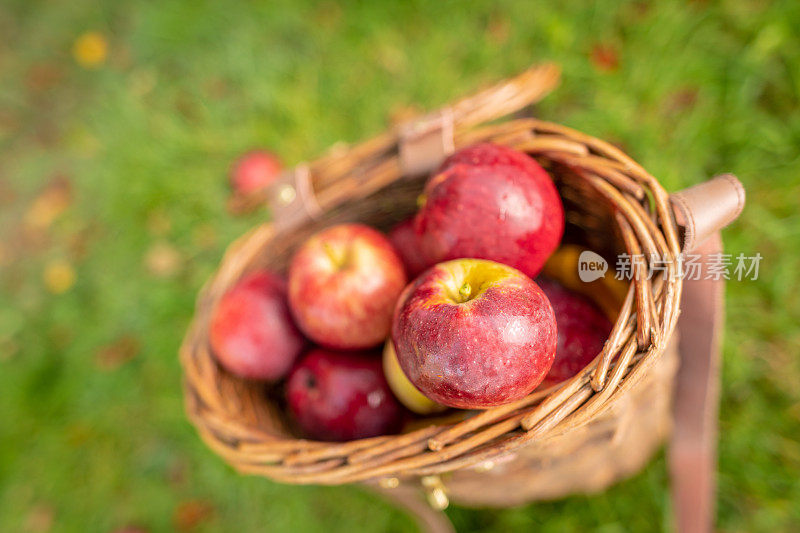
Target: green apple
column 402, row 388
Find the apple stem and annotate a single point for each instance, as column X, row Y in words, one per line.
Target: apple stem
column 465, row 291
column 336, row 258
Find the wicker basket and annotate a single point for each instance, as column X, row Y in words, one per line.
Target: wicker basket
column 581, row 435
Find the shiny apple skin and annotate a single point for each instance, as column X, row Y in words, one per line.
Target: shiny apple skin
column 254, row 171
column 491, row 202
column 493, row 348
column 490, row 154
column 343, row 285
column 582, row 331
column 340, row 396
column 408, row 246
column 252, row 333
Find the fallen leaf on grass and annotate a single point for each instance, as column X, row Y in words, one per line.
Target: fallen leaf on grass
column 59, row 276
column 681, row 100
column 42, row 77
column 178, row 473
column 40, row 519
column 51, row 202
column 605, row 58
column 119, row 352
column 90, row 49
column 78, row 243
column 190, row 514
column 163, row 260
column 498, row 28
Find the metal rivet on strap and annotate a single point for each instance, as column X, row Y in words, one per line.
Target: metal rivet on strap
column 484, row 466
column 389, row 482
column 287, row 194
column 437, row 496
column 293, row 199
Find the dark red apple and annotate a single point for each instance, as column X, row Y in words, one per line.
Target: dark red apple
column 343, row 284
column 407, row 244
column 491, row 202
column 255, row 171
column 252, row 333
column 340, row 396
column 582, row 331
column 472, row 333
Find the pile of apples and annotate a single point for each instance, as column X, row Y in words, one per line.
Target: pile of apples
column 449, row 295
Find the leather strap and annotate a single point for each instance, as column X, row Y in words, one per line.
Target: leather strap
column 702, row 211
column 692, row 452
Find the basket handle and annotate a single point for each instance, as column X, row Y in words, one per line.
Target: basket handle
column 702, row 211
column 424, row 142
column 421, row 144
column 507, row 96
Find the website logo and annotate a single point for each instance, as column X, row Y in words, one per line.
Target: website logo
column 591, row 266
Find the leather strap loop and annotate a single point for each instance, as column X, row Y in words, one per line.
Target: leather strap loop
column 707, row 208
column 424, row 143
column 292, row 199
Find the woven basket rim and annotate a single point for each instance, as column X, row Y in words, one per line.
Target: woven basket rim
column 643, row 217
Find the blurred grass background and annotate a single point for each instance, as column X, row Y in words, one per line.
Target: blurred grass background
column 112, row 214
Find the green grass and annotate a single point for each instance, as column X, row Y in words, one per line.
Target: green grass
column 145, row 141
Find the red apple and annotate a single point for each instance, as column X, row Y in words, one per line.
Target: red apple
column 492, row 155
column 491, row 202
column 407, row 244
column 252, row 333
column 472, row 333
column 254, row 171
column 343, row 284
column 582, row 331
column 342, row 396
